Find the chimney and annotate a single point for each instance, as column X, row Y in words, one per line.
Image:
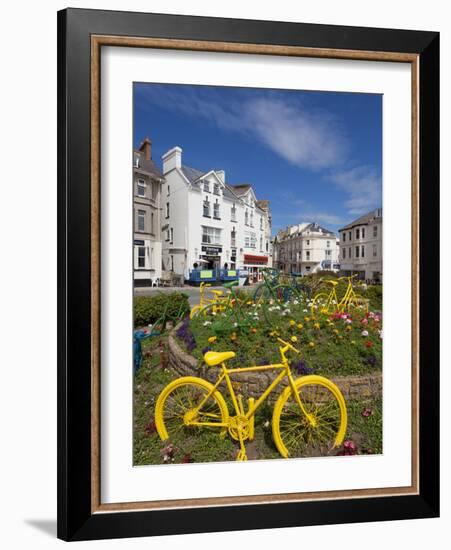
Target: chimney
column 221, row 175
column 172, row 159
column 146, row 148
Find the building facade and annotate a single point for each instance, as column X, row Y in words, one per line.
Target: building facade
column 208, row 223
column 305, row 248
column 147, row 246
column 361, row 247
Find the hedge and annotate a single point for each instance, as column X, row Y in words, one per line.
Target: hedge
column 148, row 309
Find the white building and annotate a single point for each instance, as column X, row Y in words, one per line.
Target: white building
column 361, row 247
column 207, row 223
column 305, row 248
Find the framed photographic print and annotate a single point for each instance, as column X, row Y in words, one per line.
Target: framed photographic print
column 248, row 269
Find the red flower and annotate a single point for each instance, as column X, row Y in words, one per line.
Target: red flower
column 369, row 344
column 187, row 458
column 367, row 412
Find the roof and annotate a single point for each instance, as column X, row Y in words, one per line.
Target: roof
column 148, row 166
column 365, row 219
column 191, row 174
column 302, row 228
column 241, row 189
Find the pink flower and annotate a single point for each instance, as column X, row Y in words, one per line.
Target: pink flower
column 365, row 321
column 364, row 333
column 349, row 448
column 367, row 412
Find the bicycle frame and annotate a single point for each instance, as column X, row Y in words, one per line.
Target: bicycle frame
column 226, row 375
column 349, row 293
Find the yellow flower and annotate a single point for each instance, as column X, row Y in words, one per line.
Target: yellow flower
column 306, row 319
column 335, row 331
column 292, row 323
column 274, row 333
column 311, row 344
column 353, row 342
column 233, row 336
column 212, row 339
column 317, row 326
column 300, row 325
column 294, row 339
column 348, row 328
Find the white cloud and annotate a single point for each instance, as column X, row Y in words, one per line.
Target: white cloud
column 362, row 185
column 307, row 139
column 304, row 137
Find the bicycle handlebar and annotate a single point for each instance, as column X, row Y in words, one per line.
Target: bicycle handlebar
column 288, row 345
column 350, row 277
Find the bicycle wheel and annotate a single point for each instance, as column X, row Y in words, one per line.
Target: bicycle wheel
column 286, row 293
column 176, row 408
column 194, row 311
column 261, row 294
column 320, row 303
column 359, row 302
column 296, row 435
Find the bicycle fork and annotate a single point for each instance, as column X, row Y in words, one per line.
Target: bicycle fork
column 311, row 419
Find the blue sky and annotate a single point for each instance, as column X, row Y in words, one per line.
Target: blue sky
column 316, row 156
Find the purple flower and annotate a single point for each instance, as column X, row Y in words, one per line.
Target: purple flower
column 204, row 351
column 301, row 367
column 372, row 361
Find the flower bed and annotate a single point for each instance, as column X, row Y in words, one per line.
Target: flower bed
column 330, row 344
column 365, row 386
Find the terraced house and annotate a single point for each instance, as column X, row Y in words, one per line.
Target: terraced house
column 361, row 247
column 147, row 182
column 208, row 223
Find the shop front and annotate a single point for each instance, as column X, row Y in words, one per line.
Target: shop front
column 254, row 263
column 211, row 257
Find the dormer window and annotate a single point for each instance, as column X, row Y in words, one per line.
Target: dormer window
column 233, row 213
column 216, row 189
column 206, row 186
column 246, row 218
column 252, row 219
column 136, row 161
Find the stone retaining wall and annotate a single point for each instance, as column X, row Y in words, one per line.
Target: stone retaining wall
column 254, row 383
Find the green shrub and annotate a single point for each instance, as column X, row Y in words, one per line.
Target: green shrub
column 148, row 309
column 374, row 294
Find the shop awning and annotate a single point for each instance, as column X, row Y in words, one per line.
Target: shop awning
column 258, row 260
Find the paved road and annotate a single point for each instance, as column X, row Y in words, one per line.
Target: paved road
column 193, row 292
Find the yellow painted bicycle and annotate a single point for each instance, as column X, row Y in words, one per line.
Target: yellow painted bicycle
column 328, row 302
column 309, row 416
column 215, row 302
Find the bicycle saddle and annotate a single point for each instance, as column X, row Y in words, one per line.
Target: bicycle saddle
column 333, row 283
column 213, row 358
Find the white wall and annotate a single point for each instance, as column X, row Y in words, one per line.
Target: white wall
column 28, row 407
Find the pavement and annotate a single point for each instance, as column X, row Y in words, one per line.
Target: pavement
column 192, row 291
